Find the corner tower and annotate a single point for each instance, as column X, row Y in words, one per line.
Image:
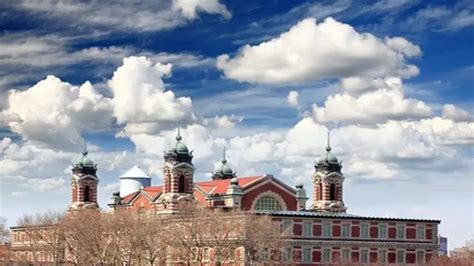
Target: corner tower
column 84, row 183
column 327, row 183
column 223, row 170
column 178, row 174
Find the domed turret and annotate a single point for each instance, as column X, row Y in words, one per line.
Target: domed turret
column 178, row 151
column 222, row 169
column 84, row 165
column 328, row 161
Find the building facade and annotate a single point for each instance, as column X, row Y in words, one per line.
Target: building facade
column 323, row 233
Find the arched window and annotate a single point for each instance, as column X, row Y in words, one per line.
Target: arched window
column 181, row 184
column 268, row 203
column 86, row 194
column 320, row 191
column 332, row 192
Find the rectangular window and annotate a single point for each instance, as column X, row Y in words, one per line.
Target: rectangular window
column 206, row 254
column 345, row 255
column 382, row 257
column 420, row 232
column 306, row 254
column 194, row 254
column 346, row 230
column 382, row 231
column 287, row 254
column 420, row 257
column 307, row 228
column 287, row 227
column 364, row 230
column 326, row 255
column 401, row 231
column 326, row 229
column 400, row 256
column 364, row 256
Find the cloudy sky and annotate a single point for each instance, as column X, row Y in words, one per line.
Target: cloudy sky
column 392, row 81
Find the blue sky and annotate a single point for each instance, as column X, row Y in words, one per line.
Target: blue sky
column 392, row 81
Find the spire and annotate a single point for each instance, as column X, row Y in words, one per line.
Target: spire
column 223, row 156
column 178, row 137
column 84, row 149
column 328, row 146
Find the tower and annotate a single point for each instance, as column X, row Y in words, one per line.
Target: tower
column 84, row 183
column 327, row 183
column 223, row 170
column 178, row 174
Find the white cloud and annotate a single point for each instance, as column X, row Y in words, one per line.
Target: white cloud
column 386, row 103
column 310, row 51
column 292, row 98
column 368, row 169
column 456, row 114
column 139, row 94
column 125, row 15
column 47, row 184
column 190, row 8
column 55, row 113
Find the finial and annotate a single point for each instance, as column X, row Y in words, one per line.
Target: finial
column 84, row 150
column 178, row 137
column 223, row 155
column 328, row 147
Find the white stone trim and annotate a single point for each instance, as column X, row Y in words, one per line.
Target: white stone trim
column 271, row 194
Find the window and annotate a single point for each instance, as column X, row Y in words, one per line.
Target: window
column 400, row 231
column 307, row 229
column 345, row 255
column 420, row 232
column 346, row 229
column 364, row 256
column 326, row 255
column 382, row 256
column 382, row 231
column 181, row 184
column 400, row 256
column 420, row 257
column 287, row 254
column 332, row 192
column 86, row 194
column 364, row 230
column 206, row 256
column 306, row 254
column 320, row 192
column 194, row 254
column 326, row 229
column 268, row 203
column 287, row 226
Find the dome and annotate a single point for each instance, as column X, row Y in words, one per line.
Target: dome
column 178, row 146
column 86, row 162
column 222, row 169
column 328, row 156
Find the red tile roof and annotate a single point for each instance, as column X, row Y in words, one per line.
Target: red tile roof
column 220, row 186
column 129, row 197
column 152, row 192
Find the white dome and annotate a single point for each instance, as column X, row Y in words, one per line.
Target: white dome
column 133, row 180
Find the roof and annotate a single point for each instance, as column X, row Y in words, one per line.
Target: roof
column 306, row 213
column 221, row 185
column 135, row 172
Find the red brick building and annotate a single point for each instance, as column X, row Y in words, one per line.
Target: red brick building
column 323, row 233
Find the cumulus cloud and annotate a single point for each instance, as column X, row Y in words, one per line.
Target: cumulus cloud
column 311, row 51
column 54, row 112
column 456, row 114
column 190, row 8
column 386, row 103
column 140, row 100
column 292, row 98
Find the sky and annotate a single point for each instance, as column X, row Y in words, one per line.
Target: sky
column 391, row 80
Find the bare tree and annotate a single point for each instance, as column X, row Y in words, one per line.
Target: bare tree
column 5, row 232
column 260, row 237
